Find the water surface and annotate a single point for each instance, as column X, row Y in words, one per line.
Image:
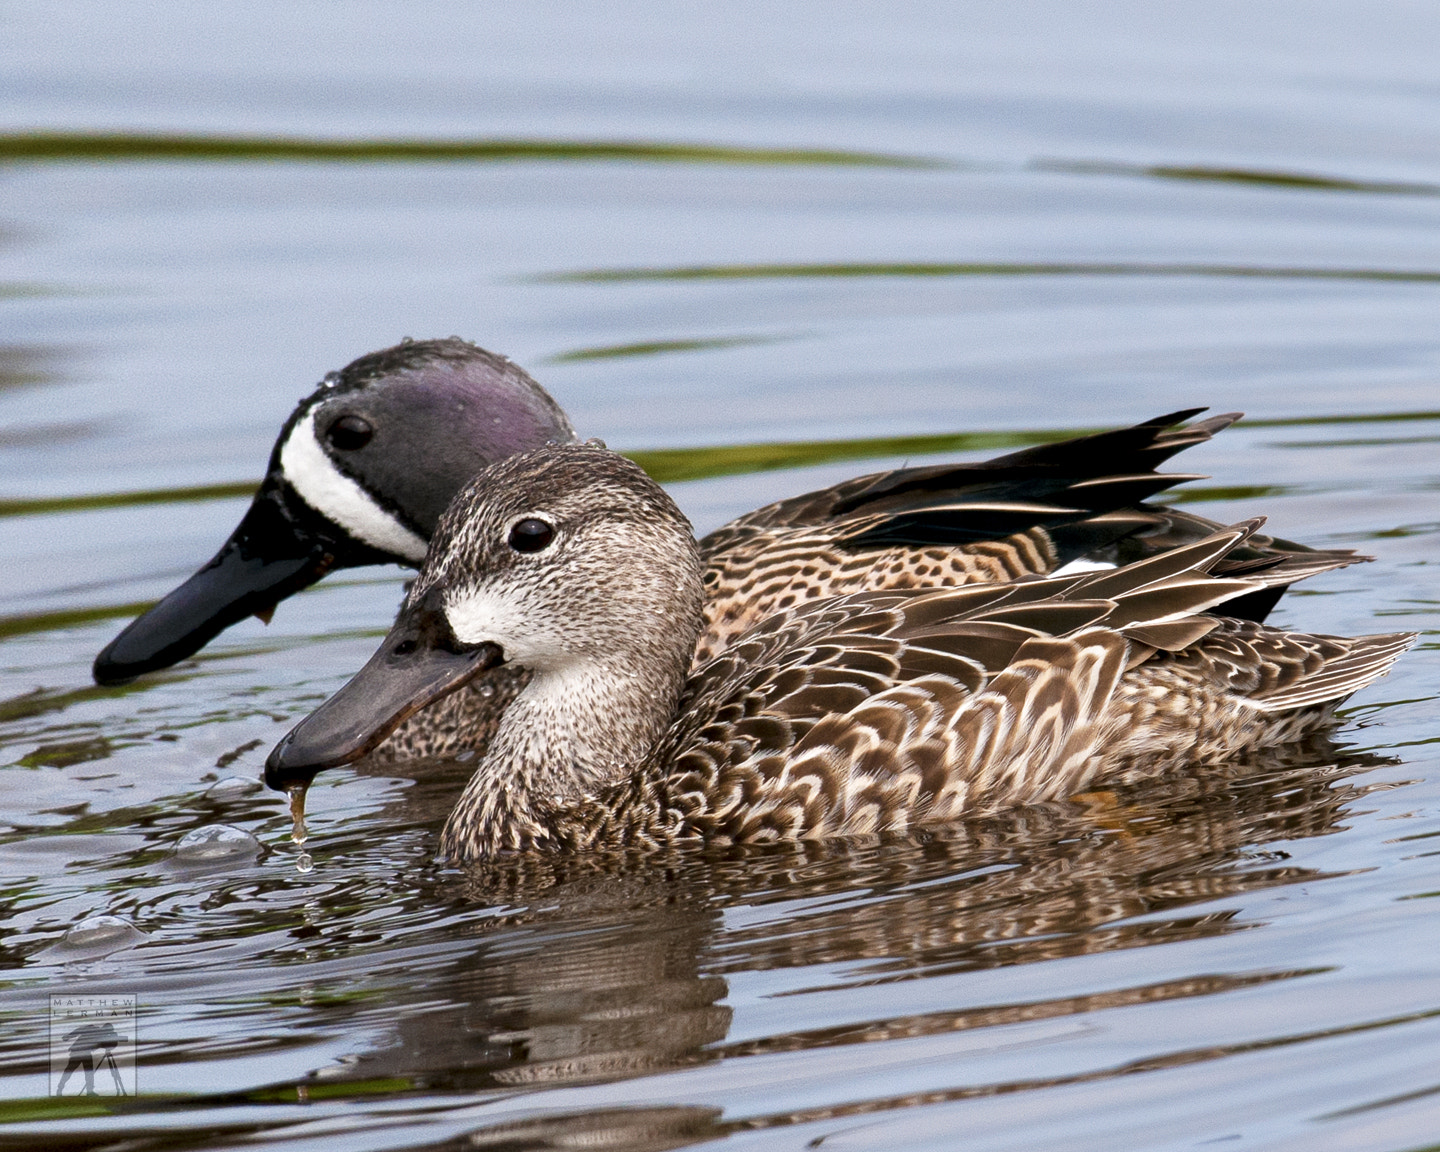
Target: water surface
column 761, row 250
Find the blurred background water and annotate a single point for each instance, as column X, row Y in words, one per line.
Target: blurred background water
column 852, row 230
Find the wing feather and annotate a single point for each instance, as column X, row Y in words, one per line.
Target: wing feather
column 874, row 710
column 1368, row 659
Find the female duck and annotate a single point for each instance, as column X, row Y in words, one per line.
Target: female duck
column 872, row 711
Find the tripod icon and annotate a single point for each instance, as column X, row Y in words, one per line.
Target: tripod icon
column 92, row 1048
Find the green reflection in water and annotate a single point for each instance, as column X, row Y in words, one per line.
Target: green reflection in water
column 31, row 146
column 21, row 624
column 1403, row 530
column 1204, row 174
column 903, row 269
column 201, row 492
column 345, row 1090
column 22, row 289
column 1367, row 418
column 655, row 348
column 1357, row 442
column 37, row 1108
column 1230, row 492
column 67, row 753
column 23, row 146
column 671, row 465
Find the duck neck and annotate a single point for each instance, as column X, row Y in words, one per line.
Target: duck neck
column 577, row 727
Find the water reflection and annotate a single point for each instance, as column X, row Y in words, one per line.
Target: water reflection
column 990, row 268
column 956, row 284
column 24, row 366
column 675, row 465
column 32, row 146
column 1263, row 178
column 573, row 971
column 657, row 348
column 611, row 964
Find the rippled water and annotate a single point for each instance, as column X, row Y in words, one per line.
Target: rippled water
column 756, row 247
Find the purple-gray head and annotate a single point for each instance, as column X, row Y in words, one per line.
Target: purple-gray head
column 359, row 475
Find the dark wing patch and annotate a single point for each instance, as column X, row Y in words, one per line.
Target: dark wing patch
column 1042, row 471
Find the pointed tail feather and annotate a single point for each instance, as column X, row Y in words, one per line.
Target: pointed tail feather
column 1369, row 658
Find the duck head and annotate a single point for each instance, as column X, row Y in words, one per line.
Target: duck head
column 568, row 561
column 361, row 472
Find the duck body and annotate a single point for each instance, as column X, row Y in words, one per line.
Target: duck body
column 871, row 711
column 1025, row 515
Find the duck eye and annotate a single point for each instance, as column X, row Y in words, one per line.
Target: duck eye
column 349, row 433
column 531, row 535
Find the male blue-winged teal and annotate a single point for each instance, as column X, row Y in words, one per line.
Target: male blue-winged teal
column 360, row 473
column 869, row 711
column 366, row 463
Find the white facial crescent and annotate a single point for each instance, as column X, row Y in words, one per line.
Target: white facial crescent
column 333, row 494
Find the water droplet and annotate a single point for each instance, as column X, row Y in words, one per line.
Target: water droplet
column 297, row 813
column 406, row 340
column 594, row 442
column 331, row 380
column 214, row 844
column 298, row 832
column 487, row 690
column 232, row 788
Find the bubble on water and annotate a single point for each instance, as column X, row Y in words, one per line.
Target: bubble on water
column 103, row 931
column 232, row 788
column 215, row 844
column 95, row 936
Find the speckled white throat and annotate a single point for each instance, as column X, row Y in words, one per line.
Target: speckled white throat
column 333, row 494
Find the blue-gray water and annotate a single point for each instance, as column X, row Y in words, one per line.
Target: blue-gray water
column 882, row 220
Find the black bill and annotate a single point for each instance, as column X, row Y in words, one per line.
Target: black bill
column 280, row 547
column 418, row 663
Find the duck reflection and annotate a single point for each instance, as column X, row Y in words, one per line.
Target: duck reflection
column 609, row 966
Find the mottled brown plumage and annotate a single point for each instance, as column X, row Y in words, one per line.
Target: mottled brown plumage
column 869, row 712
column 1017, row 516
